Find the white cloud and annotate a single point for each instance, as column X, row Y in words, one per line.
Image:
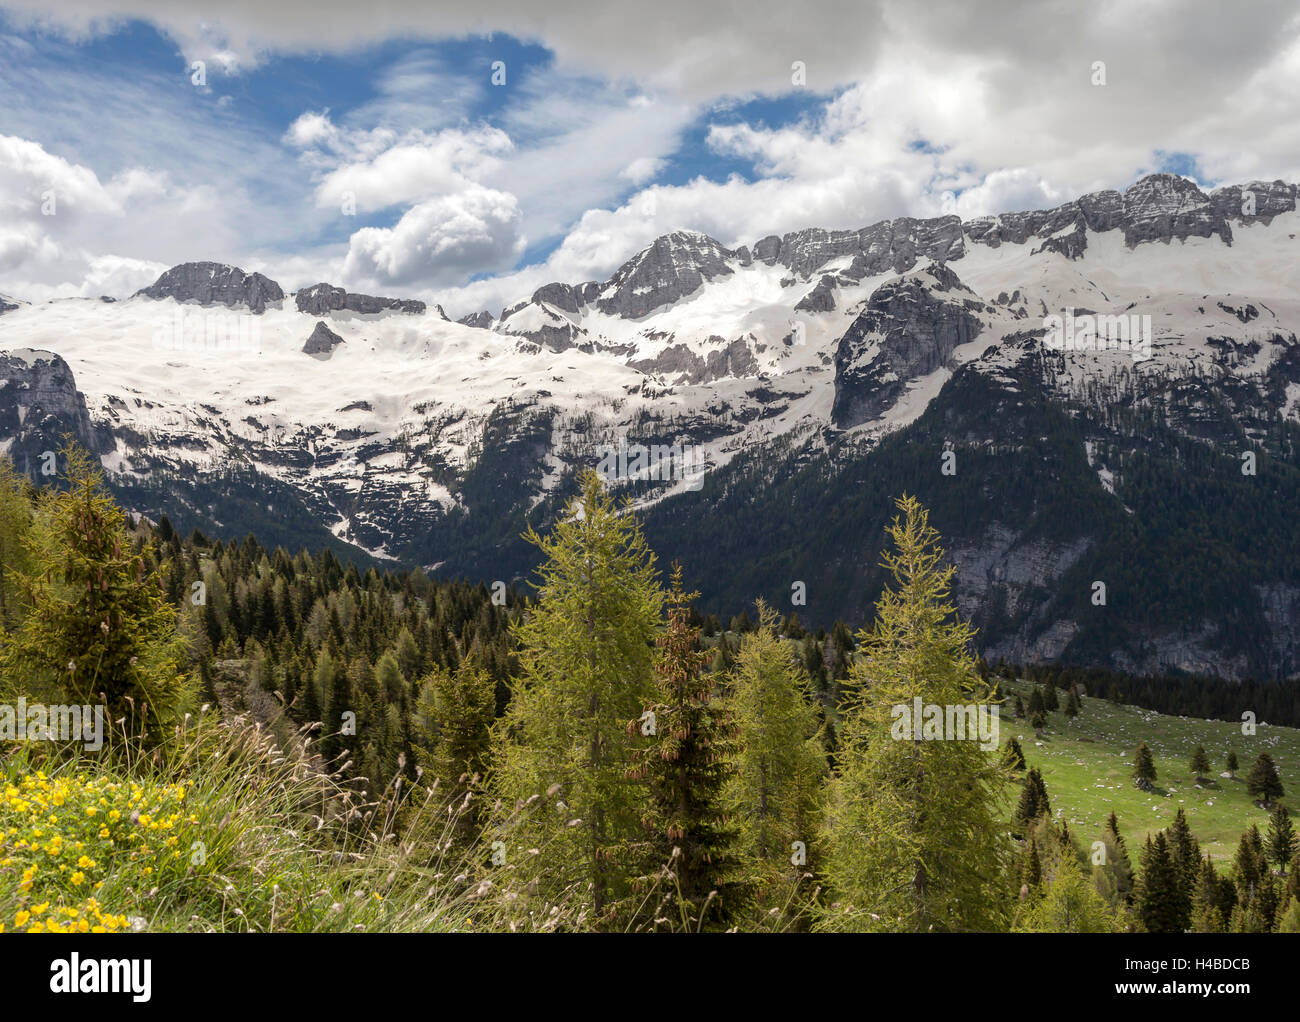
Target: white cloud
column 945, row 107
column 418, row 168
column 642, row 169
column 440, row 241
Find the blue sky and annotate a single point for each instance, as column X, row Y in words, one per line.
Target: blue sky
column 372, row 148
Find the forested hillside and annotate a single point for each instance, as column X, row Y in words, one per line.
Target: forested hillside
column 322, row 747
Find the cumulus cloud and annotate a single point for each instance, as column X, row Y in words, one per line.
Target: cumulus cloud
column 418, row 168
column 922, row 109
column 441, row 241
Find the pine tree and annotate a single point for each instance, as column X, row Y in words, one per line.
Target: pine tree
column 687, row 764
column 1144, row 767
column 1072, row 704
column 912, row 829
column 778, row 764
column 1200, row 763
column 1051, row 700
column 1013, row 757
column 1230, row 762
column 1263, row 783
column 98, row 623
column 586, row 668
column 1281, row 841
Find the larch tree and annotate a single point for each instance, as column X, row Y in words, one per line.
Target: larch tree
column 97, row 625
column 913, row 835
column 778, row 766
column 586, row 659
column 1068, row 904
column 15, row 527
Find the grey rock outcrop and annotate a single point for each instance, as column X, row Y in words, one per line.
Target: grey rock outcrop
column 680, row 364
column 322, row 341
column 322, row 299
column 39, row 403
column 669, row 270
column 479, row 320
column 1162, row 207
column 215, row 284
column 891, row 245
column 819, row 299
column 1256, row 200
column 909, row 328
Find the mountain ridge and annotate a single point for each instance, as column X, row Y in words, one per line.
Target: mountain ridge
column 340, row 418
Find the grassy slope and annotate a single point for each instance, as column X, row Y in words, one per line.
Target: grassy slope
column 1087, row 765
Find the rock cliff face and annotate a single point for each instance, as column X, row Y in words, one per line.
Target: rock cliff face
column 322, row 299
column 669, row 270
column 215, row 284
column 908, row 329
column 39, row 404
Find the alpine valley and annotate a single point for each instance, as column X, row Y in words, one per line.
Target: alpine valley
column 818, row 375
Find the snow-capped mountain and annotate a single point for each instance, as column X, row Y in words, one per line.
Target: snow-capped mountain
column 216, row 397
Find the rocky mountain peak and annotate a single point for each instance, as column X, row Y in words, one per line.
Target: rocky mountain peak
column 215, row 284
column 673, row 266
column 322, row 299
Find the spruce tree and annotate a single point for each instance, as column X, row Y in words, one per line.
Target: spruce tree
column 586, row 663
column 1072, row 704
column 1013, row 756
column 686, row 765
column 1263, row 783
column 1033, row 800
column 1185, row 855
column 1144, row 767
column 1200, row 763
column 455, row 711
column 1230, row 762
column 1207, row 917
column 1281, row 841
column 1157, row 899
column 912, row 832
